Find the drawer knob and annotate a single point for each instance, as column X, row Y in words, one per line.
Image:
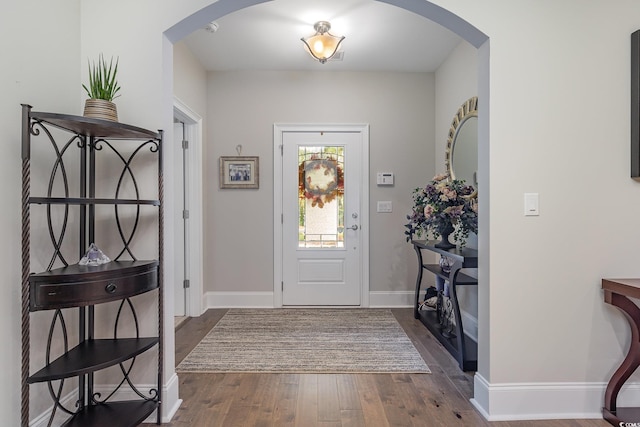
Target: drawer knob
column 111, row 288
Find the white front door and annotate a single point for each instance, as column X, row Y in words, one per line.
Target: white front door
column 322, row 217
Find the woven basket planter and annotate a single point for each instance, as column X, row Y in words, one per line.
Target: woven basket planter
column 100, row 109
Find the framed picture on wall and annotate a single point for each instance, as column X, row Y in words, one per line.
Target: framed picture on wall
column 239, row 172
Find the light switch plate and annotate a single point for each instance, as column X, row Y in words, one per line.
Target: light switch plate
column 385, row 206
column 531, row 204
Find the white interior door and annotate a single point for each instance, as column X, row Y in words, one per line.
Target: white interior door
column 186, row 182
column 322, row 218
column 181, row 228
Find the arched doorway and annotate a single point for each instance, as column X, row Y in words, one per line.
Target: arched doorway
column 477, row 39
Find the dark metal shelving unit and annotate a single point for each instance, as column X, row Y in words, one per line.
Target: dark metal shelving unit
column 66, row 285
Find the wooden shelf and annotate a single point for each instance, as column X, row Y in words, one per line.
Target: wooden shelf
column 429, row 318
column 89, row 201
column 92, row 355
column 461, row 279
column 113, row 414
column 468, row 255
column 75, row 272
column 93, row 127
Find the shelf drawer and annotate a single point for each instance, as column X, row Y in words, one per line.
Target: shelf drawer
column 74, row 286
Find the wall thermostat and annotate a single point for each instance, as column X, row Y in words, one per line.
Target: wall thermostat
column 384, row 178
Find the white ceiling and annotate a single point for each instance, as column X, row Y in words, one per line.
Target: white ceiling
column 379, row 37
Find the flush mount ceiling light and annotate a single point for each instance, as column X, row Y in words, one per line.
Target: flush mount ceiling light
column 322, row 45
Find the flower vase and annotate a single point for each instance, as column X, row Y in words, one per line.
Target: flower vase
column 445, row 231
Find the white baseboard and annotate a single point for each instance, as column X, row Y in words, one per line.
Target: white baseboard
column 391, row 299
column 170, row 402
column 542, row 401
column 170, row 399
column 238, row 300
column 377, row 299
column 42, row 420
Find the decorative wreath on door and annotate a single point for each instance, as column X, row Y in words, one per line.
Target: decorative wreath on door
column 320, row 180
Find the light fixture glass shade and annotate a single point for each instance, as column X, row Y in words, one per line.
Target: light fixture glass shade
column 322, row 45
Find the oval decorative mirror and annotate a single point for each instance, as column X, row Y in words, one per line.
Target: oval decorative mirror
column 462, row 144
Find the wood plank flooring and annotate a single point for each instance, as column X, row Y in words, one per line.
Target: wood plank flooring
column 335, row 400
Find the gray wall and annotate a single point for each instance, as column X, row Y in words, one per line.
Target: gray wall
column 189, row 80
column 243, row 106
column 40, row 66
column 457, row 81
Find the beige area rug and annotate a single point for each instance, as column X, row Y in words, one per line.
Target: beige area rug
column 305, row 341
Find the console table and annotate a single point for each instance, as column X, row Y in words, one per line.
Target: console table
column 617, row 293
column 438, row 320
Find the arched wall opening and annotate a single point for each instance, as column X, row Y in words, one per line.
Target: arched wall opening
column 467, row 32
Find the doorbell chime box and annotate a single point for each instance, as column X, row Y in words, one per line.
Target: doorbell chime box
column 385, row 178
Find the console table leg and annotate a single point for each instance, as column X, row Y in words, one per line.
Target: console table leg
column 416, row 315
column 453, row 297
column 632, row 360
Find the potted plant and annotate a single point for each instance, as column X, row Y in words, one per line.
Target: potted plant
column 102, row 90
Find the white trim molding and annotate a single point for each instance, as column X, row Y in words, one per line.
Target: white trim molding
column 67, row 401
column 238, row 300
column 544, row 401
column 193, row 129
column 169, row 394
column 397, row 299
column 391, row 299
column 377, row 299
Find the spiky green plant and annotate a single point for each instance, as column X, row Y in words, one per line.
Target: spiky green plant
column 102, row 80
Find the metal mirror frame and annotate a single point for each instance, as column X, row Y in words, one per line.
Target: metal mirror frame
column 467, row 110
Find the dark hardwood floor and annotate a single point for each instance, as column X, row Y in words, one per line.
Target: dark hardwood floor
column 331, row 400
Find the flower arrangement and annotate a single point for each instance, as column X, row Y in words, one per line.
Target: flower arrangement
column 443, row 207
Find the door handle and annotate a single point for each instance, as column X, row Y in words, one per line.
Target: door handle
column 353, row 227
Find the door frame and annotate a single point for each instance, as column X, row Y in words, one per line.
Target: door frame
column 278, row 131
column 193, row 132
